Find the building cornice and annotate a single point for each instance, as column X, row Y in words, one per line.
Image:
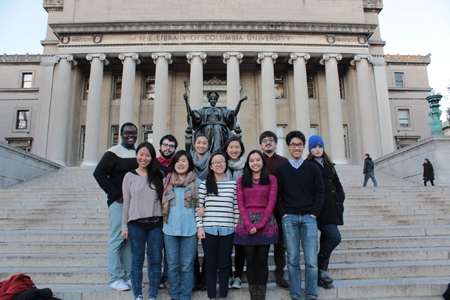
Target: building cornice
column 408, row 59
column 53, row 5
column 20, row 90
column 21, row 58
column 373, row 5
column 409, row 89
column 206, row 26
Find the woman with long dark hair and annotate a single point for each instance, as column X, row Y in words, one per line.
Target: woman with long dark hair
column 180, row 198
column 257, row 228
column 216, row 220
column 142, row 220
column 234, row 151
column 332, row 212
column 201, row 155
column 428, row 172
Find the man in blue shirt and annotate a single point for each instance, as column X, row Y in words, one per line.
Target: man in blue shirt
column 301, row 195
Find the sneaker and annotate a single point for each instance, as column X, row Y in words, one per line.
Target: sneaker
column 120, row 285
column 230, row 282
column 282, row 283
column 129, row 283
column 138, row 297
column 237, row 283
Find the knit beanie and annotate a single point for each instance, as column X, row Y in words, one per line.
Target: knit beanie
column 315, row 140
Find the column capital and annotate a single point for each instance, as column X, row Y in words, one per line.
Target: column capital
column 191, row 55
column 134, row 56
column 166, row 55
column 263, row 55
column 227, row 55
column 359, row 57
column 100, row 56
column 326, row 57
column 296, row 55
column 69, row 58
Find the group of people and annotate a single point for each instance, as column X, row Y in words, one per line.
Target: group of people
column 168, row 203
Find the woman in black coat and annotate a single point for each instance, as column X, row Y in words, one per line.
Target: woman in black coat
column 428, row 172
column 332, row 211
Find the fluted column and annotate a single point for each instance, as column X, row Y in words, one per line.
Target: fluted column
column 93, row 113
column 384, row 112
column 232, row 60
column 337, row 146
column 196, row 59
column 268, row 105
column 59, row 111
column 299, row 61
column 129, row 61
column 162, row 61
column 370, row 138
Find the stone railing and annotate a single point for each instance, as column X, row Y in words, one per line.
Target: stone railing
column 53, row 5
column 17, row 165
column 373, row 4
column 407, row 163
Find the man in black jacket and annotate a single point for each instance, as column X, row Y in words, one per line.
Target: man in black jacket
column 369, row 170
column 109, row 173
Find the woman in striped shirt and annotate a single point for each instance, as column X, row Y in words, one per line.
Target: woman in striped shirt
column 217, row 216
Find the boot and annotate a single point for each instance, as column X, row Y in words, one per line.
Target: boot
column 324, row 280
column 261, row 292
column 253, row 292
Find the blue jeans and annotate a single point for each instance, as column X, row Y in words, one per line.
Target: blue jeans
column 154, row 239
column 296, row 229
column 119, row 253
column 330, row 238
column 181, row 252
column 372, row 176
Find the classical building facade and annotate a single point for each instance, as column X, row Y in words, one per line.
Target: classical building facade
column 315, row 66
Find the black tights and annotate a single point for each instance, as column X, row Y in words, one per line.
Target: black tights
column 425, row 182
column 257, row 267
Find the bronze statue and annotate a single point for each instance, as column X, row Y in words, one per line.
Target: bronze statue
column 216, row 123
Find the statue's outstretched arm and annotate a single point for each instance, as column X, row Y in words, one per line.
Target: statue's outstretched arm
column 238, row 106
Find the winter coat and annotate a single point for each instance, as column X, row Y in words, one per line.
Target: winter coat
column 428, row 171
column 369, row 166
column 332, row 211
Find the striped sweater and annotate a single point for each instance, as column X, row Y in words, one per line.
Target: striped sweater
column 221, row 210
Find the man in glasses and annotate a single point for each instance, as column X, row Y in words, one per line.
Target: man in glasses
column 268, row 142
column 109, row 173
column 301, row 195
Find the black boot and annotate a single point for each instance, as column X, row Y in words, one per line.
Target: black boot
column 324, row 280
column 253, row 292
column 261, row 292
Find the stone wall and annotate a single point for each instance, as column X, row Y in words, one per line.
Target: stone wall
column 407, row 162
column 17, row 165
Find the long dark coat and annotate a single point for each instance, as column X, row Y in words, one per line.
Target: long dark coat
column 428, row 171
column 333, row 207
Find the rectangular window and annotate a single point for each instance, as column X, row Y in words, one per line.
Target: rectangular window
column 117, row 86
column 346, row 143
column 82, row 141
column 399, row 79
column 22, row 119
column 86, row 88
column 311, row 86
column 280, row 87
column 313, row 129
column 149, row 91
column 27, row 80
column 147, row 133
column 403, row 118
column 341, row 87
column 114, row 135
column 281, row 136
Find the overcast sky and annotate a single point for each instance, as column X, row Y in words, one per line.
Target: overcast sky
column 408, row 27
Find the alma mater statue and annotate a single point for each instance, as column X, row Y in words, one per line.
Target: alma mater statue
column 216, row 123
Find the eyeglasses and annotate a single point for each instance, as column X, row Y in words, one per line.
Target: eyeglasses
column 299, row 145
column 129, row 133
column 168, row 146
column 218, row 163
column 268, row 140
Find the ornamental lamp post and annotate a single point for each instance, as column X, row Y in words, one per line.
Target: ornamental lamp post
column 435, row 113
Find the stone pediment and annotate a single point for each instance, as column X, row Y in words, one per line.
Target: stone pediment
column 214, row 81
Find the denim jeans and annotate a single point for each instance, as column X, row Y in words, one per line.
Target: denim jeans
column 330, row 238
column 217, row 251
column 164, row 277
column 138, row 239
column 180, row 252
column 296, row 229
column 279, row 252
column 372, row 176
column 119, row 253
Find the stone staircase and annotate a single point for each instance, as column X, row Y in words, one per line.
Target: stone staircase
column 396, row 239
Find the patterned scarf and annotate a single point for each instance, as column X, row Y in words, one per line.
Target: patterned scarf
column 190, row 192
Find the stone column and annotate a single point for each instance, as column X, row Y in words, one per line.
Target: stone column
column 370, row 138
column 299, row 61
column 93, row 113
column 232, row 60
column 162, row 61
column 59, row 111
column 384, row 111
column 337, row 146
column 196, row 60
column 268, row 104
column 129, row 61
